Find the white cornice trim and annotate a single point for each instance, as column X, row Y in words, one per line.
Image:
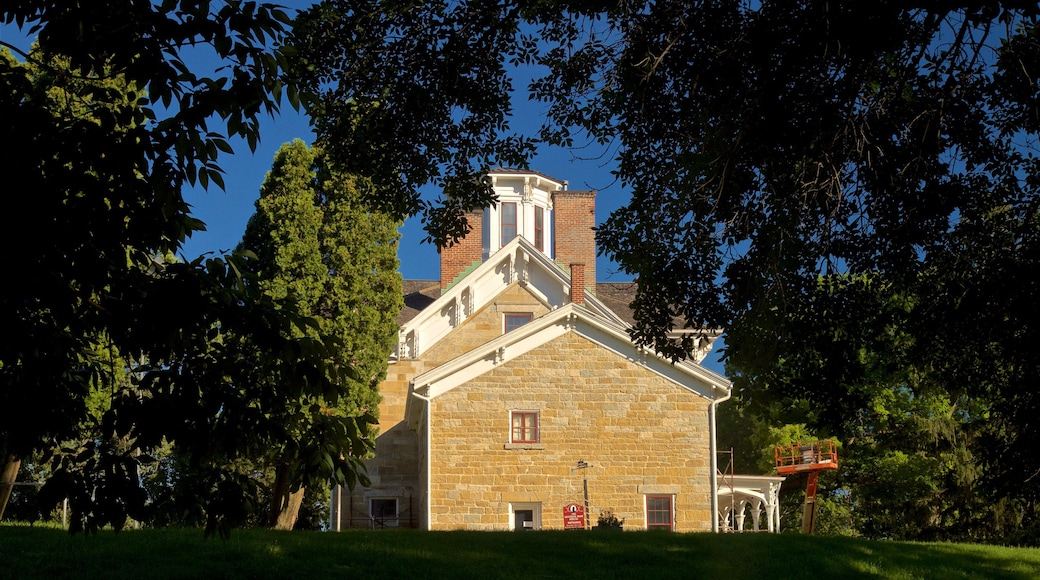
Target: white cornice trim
column 517, row 262
column 570, row 318
column 551, row 183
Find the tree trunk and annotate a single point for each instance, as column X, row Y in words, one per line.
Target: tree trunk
column 290, row 511
column 285, row 504
column 7, row 479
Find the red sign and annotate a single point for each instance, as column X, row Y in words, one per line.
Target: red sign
column 573, row 517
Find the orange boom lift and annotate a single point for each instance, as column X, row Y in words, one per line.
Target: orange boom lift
column 812, row 457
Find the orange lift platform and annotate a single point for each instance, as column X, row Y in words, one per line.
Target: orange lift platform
column 810, row 457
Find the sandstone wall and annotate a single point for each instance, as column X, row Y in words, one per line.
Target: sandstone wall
column 639, row 433
column 394, row 470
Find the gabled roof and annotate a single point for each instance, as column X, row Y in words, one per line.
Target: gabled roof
column 419, row 294
column 609, row 334
column 617, row 296
column 517, row 262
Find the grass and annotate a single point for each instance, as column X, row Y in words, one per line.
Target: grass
column 37, row 552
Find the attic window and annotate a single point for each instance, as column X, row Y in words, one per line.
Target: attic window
column 525, row 426
column 514, row 320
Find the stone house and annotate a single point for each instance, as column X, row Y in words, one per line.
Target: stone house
column 515, row 388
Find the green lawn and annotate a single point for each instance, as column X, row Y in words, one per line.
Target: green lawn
column 34, row 552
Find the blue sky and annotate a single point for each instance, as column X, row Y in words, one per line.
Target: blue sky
column 226, row 212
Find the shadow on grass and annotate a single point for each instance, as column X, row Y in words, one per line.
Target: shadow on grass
column 154, row 554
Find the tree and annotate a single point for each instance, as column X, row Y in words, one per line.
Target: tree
column 909, row 464
column 773, row 150
column 764, row 143
column 323, row 252
column 110, row 122
column 409, row 95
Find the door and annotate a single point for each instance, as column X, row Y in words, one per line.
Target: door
column 525, row 516
column 523, row 520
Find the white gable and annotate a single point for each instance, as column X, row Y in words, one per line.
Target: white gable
column 609, row 334
column 518, row 262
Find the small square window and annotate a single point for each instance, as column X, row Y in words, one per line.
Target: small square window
column 659, row 512
column 514, row 320
column 525, row 427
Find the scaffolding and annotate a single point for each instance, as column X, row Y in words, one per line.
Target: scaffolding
column 807, row 457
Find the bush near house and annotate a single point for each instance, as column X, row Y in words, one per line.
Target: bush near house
column 608, row 519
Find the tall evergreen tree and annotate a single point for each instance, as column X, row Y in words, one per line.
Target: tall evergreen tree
column 112, row 119
column 323, row 251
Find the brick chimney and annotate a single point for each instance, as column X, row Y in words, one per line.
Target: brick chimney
column 467, row 251
column 574, row 215
column 578, row 283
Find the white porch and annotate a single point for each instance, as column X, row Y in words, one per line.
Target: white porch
column 757, row 494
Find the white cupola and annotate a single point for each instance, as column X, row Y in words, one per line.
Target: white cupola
column 524, row 209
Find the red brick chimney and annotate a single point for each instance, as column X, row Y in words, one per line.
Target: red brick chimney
column 574, row 215
column 578, row 283
column 470, row 249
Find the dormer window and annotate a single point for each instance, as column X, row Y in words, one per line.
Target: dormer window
column 508, row 222
column 514, row 320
